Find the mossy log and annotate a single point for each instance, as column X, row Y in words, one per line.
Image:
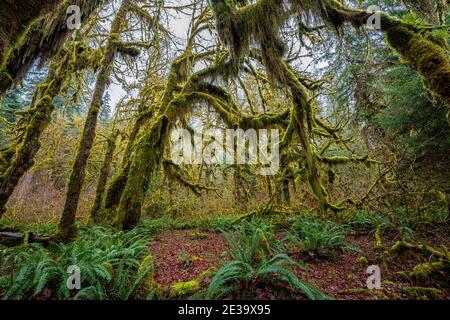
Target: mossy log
column 13, row 239
column 435, row 268
column 423, row 293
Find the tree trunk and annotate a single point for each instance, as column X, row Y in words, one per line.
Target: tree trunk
column 146, row 160
column 67, row 229
column 286, row 191
column 16, row 16
column 238, row 196
column 41, row 114
column 31, row 30
column 148, row 153
column 114, row 191
column 103, row 178
column 18, row 158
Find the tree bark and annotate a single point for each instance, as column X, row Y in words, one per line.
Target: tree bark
column 103, row 178
column 67, row 230
column 16, row 16
column 41, row 114
column 31, row 30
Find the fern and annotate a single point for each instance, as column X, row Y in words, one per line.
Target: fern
column 256, row 260
column 32, row 269
column 314, row 235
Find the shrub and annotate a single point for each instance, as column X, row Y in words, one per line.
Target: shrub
column 314, row 235
column 255, row 261
column 108, row 260
column 365, row 221
column 219, row 223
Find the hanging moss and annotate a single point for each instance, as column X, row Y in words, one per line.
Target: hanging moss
column 41, row 34
column 15, row 17
column 429, row 59
column 259, row 22
column 148, row 153
column 22, row 160
column 19, row 157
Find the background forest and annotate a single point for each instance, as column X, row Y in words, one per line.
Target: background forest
column 86, row 175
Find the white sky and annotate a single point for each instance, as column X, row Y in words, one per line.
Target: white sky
column 179, row 27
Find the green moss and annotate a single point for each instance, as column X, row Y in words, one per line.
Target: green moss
column 423, row 293
column 147, row 267
column 363, row 260
column 205, row 274
column 185, row 288
column 429, row 59
column 437, row 272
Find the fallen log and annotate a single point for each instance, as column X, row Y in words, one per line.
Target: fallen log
column 13, row 239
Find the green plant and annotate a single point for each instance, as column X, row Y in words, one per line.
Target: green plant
column 314, row 235
column 108, row 262
column 219, row 223
column 256, row 262
column 151, row 226
column 365, row 221
column 186, row 259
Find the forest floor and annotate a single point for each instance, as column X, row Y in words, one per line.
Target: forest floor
column 182, row 255
column 188, row 253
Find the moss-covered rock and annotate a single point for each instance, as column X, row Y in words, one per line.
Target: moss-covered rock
column 185, row 288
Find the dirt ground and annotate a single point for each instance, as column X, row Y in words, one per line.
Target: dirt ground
column 182, row 256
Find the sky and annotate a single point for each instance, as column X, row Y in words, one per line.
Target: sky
column 179, row 27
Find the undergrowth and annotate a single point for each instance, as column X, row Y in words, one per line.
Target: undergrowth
column 255, row 261
column 315, row 235
column 108, row 262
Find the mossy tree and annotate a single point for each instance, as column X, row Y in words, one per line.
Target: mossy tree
column 127, row 11
column 67, row 229
column 19, row 156
column 31, row 31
